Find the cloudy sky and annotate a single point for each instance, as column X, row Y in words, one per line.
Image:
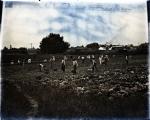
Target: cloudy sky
column 25, row 23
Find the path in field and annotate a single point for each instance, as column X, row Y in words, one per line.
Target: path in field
column 33, row 102
column 34, row 105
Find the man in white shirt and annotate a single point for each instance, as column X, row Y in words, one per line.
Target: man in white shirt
column 41, row 66
column 75, row 65
column 100, row 59
column 63, row 65
column 94, row 67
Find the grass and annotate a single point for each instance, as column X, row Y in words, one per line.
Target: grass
column 115, row 90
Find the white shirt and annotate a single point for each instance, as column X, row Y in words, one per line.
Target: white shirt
column 29, row 60
column 75, row 63
column 63, row 62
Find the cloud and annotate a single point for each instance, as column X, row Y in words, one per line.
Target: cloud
column 26, row 23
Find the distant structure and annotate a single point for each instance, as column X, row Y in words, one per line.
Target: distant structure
column 10, row 46
column 32, row 51
column 31, row 46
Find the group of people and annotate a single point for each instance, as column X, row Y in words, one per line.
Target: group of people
column 103, row 59
column 21, row 62
column 74, row 63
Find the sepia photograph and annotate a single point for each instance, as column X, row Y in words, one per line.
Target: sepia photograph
column 74, row 60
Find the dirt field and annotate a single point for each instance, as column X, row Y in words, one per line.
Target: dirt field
column 114, row 90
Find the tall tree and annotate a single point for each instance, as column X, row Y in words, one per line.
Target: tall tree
column 53, row 43
column 143, row 48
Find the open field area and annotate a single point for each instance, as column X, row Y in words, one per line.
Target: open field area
column 114, row 90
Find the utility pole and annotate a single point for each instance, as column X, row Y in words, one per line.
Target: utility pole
column 10, row 46
column 31, row 45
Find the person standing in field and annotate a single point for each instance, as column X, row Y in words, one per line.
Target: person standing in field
column 75, row 65
column 87, row 56
column 41, row 67
column 51, row 63
column 65, row 58
column 19, row 62
column 29, row 61
column 100, row 59
column 93, row 57
column 94, row 67
column 12, row 62
column 78, row 57
column 53, row 58
column 45, row 60
column 83, row 59
column 54, row 63
column 127, row 59
column 63, row 65
column 106, row 59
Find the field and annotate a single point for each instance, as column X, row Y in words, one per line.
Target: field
column 114, row 90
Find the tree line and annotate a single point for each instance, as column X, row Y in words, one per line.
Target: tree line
column 54, row 43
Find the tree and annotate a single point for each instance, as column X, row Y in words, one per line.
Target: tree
column 94, row 46
column 53, row 43
column 143, row 48
column 5, row 49
column 23, row 50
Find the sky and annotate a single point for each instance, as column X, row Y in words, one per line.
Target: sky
column 80, row 24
